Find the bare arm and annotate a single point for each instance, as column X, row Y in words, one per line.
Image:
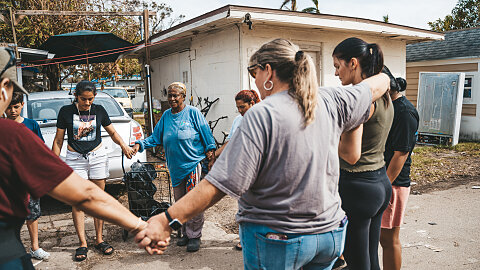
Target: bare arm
column 350, row 146
column 194, row 202
column 379, row 84
column 88, row 197
column 220, row 150
column 127, row 150
column 396, row 164
column 58, row 141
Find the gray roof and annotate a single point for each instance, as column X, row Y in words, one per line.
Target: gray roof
column 457, row 43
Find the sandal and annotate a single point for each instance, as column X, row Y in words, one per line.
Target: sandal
column 40, row 254
column 81, row 254
column 238, row 246
column 103, row 247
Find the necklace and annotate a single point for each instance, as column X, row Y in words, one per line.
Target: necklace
column 88, row 119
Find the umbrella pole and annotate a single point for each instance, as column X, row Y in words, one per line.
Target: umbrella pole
column 88, row 66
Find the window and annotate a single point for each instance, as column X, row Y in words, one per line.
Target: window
column 467, row 88
column 47, row 109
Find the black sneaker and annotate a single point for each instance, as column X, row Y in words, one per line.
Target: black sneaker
column 339, row 263
column 193, row 244
column 182, row 241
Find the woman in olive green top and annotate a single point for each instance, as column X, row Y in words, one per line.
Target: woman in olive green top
column 364, row 186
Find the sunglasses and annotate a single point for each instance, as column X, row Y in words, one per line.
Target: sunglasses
column 253, row 69
column 12, row 62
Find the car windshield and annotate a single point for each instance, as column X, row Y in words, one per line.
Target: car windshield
column 116, row 93
column 47, row 109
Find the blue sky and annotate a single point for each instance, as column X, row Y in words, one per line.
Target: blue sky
column 416, row 13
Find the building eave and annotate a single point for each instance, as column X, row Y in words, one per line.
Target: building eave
column 232, row 14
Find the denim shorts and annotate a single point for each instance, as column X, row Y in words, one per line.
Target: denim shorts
column 310, row 251
column 93, row 165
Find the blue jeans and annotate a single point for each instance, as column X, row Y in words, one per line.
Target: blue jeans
column 310, row 251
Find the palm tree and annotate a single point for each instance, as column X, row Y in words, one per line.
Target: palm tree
column 385, row 18
column 293, row 5
column 312, row 9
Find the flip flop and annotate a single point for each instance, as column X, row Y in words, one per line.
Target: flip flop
column 81, row 254
column 238, row 246
column 103, row 247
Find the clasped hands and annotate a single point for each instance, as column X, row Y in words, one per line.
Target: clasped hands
column 155, row 236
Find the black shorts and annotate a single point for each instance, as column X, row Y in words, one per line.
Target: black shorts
column 34, row 207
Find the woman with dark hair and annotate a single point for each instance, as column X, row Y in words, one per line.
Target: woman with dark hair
column 364, row 186
column 282, row 165
column 85, row 153
column 400, row 143
column 244, row 100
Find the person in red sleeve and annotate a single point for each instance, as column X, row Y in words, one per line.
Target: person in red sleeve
column 27, row 166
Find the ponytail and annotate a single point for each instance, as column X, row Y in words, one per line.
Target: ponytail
column 402, row 84
column 375, row 63
column 295, row 68
column 304, row 86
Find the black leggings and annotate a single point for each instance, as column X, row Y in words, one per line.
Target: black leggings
column 365, row 196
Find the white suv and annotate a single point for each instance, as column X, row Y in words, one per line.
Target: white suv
column 44, row 107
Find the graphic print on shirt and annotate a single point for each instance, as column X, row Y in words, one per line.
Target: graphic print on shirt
column 84, row 128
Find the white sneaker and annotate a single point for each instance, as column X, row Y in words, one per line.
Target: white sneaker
column 40, row 254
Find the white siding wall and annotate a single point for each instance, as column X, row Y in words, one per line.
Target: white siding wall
column 394, row 50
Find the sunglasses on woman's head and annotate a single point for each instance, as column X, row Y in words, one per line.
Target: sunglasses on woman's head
column 253, row 69
column 12, row 62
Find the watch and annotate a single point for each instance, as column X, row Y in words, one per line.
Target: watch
column 173, row 223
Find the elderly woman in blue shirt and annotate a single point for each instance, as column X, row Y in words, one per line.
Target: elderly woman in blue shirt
column 187, row 139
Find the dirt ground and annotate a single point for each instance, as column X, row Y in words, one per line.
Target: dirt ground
column 441, row 168
column 440, row 229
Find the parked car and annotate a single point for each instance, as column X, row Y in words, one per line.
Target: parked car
column 121, row 95
column 44, row 107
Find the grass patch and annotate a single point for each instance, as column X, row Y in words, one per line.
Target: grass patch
column 434, row 163
column 470, row 148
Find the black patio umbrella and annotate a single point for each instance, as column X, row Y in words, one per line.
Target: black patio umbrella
column 86, row 47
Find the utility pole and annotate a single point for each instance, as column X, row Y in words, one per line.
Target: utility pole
column 12, row 21
column 148, row 79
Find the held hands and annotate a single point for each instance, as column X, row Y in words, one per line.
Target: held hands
column 128, row 151
column 211, row 158
column 155, row 238
column 135, row 148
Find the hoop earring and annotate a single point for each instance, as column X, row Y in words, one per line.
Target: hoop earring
column 4, row 93
column 265, row 85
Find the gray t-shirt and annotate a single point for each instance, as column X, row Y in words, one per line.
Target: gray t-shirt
column 286, row 176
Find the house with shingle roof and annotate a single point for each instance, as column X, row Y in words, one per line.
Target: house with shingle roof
column 459, row 52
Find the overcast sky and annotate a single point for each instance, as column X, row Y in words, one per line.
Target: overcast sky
column 416, row 13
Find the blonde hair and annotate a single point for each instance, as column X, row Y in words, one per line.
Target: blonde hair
column 180, row 87
column 293, row 67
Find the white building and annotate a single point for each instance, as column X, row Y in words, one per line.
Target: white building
column 210, row 53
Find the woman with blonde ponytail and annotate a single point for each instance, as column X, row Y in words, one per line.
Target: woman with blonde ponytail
column 282, row 164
